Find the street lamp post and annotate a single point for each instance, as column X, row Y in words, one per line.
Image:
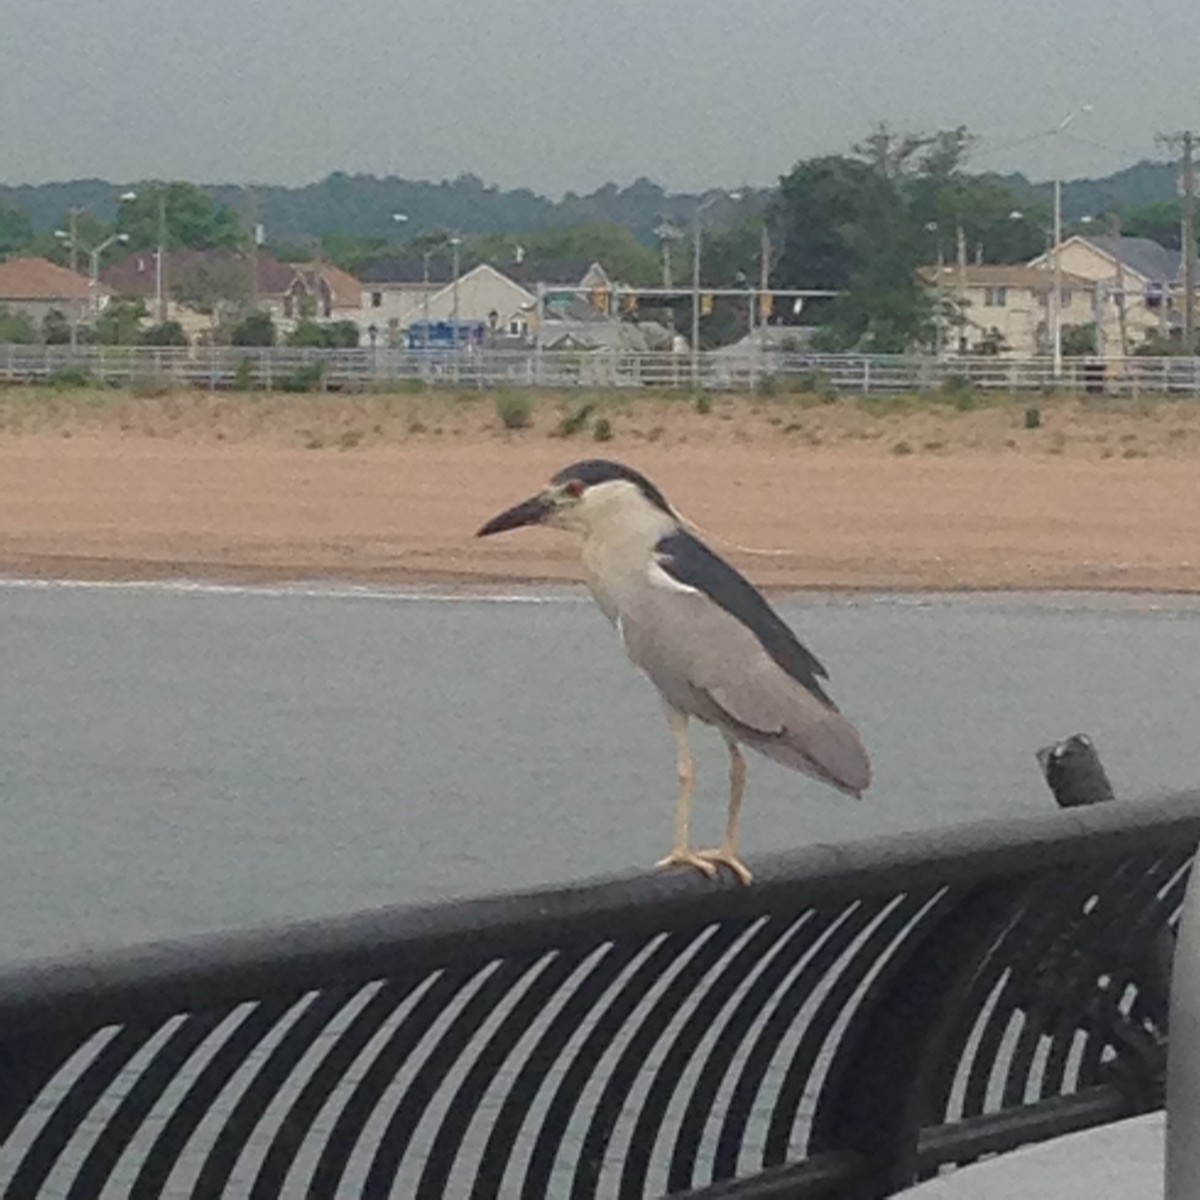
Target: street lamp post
column 70, row 236
column 939, row 298
column 72, row 239
column 160, row 282
column 94, row 276
column 1056, row 293
column 425, row 291
column 455, row 245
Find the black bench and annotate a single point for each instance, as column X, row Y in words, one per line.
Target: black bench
column 861, row 1017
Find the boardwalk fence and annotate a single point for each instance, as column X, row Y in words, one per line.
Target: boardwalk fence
column 388, row 369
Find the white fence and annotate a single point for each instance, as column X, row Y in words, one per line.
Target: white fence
column 385, row 369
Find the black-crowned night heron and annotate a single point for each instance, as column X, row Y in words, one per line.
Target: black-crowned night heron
column 705, row 637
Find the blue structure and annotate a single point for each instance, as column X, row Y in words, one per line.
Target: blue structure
column 446, row 335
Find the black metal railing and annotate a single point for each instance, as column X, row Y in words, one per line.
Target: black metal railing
column 860, row 1017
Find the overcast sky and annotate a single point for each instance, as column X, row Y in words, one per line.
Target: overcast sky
column 571, row 94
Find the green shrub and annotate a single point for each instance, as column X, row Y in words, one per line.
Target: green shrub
column 71, row 377
column 702, row 403
column 602, row 430
column 148, row 385
column 575, row 419
column 243, row 378
column 169, row 333
column 305, row 378
column 408, row 387
column 515, row 409
column 1033, row 417
column 960, row 391
column 255, row 330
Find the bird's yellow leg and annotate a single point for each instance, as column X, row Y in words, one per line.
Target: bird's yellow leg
column 728, row 851
column 682, row 854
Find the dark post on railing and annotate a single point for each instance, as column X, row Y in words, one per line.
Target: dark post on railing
column 863, row 1016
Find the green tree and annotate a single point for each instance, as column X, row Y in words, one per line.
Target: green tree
column 336, row 335
column 120, row 321
column 342, row 335
column 884, row 309
column 615, row 248
column 16, row 327
column 1161, row 222
column 256, row 329
column 818, row 206
column 56, row 329
column 16, row 231
column 209, row 287
column 1080, row 340
column 169, row 333
column 89, row 231
column 308, row 334
column 864, row 226
column 193, row 219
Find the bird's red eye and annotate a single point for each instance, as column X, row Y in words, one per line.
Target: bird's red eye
column 574, row 488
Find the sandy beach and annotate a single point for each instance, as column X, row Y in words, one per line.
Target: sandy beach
column 391, row 489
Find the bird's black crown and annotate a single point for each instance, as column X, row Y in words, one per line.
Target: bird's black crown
column 601, row 470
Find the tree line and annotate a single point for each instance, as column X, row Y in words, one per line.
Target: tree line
column 860, row 223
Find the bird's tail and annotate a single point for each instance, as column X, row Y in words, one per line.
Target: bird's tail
column 831, row 751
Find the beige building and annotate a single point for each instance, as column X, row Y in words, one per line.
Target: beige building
column 397, row 293
column 37, row 287
column 1004, row 309
column 482, row 295
column 1137, row 287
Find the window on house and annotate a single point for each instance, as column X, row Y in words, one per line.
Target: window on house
column 995, row 297
column 517, row 326
column 376, row 299
column 1066, row 298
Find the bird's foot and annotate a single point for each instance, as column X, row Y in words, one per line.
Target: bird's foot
column 728, row 858
column 687, row 858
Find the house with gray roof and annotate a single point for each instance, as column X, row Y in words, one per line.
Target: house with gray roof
column 1138, row 286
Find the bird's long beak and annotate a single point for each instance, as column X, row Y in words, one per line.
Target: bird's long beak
column 528, row 512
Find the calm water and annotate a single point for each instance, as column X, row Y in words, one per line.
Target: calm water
column 185, row 760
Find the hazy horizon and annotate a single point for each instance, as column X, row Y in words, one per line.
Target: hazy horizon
column 689, row 95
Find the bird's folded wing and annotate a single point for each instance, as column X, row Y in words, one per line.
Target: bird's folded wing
column 691, row 647
column 684, row 636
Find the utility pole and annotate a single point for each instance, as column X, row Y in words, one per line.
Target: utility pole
column 764, row 268
column 1185, row 140
column 252, row 207
column 1056, row 294
column 73, row 246
column 160, row 269
column 1189, row 247
column 1122, row 325
column 960, row 247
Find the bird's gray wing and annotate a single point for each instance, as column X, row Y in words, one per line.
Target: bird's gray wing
column 707, row 662
column 690, row 562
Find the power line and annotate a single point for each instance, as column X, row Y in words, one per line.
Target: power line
column 1123, row 151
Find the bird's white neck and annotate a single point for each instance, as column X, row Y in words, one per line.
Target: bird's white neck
column 619, row 537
